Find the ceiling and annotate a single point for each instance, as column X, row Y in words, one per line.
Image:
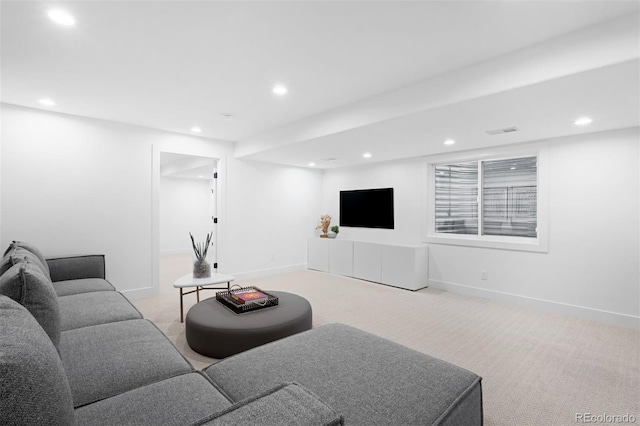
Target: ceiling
column 393, row 78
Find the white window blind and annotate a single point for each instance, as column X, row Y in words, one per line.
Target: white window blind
column 509, row 197
column 457, row 198
column 508, row 204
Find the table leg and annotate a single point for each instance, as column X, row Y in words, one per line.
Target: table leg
column 181, row 308
column 198, row 293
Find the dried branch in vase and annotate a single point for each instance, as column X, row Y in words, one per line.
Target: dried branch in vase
column 325, row 221
column 200, row 249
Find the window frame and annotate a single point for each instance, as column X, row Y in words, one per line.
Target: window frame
column 537, row 244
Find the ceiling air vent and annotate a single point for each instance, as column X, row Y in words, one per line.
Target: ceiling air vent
column 502, row 131
column 329, row 159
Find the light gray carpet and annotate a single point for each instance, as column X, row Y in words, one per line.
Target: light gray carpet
column 537, row 368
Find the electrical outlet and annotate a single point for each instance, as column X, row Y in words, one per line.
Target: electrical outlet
column 484, row 275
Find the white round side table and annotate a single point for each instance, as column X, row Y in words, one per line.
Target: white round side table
column 187, row 281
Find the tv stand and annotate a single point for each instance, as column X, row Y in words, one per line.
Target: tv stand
column 398, row 265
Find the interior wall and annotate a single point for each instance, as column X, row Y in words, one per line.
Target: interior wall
column 87, row 186
column 77, row 189
column 74, row 186
column 186, row 206
column 409, row 188
column 591, row 269
column 274, row 216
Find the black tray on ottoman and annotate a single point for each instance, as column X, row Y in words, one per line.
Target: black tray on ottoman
column 226, row 299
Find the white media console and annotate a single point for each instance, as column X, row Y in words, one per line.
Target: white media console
column 404, row 266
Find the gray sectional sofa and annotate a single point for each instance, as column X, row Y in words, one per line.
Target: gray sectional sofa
column 73, row 350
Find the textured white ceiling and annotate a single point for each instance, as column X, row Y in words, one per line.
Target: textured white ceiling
column 172, row 65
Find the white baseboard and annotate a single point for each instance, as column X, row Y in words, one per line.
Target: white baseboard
column 176, row 251
column 607, row 317
column 140, row 293
column 247, row 275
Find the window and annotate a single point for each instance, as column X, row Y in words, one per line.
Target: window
column 508, row 204
column 488, row 202
column 457, row 198
column 509, row 197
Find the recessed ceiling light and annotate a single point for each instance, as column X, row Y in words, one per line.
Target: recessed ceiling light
column 582, row 121
column 196, row 129
column 280, row 89
column 61, row 17
column 449, row 142
column 367, row 155
column 47, row 102
column 201, row 176
column 312, row 164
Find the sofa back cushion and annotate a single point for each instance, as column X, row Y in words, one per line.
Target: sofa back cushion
column 34, row 388
column 26, row 284
column 32, row 249
column 18, row 254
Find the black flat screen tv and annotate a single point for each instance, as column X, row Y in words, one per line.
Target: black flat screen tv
column 367, row 208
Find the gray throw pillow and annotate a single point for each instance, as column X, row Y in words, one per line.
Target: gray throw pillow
column 31, row 249
column 27, row 285
column 17, row 255
column 34, row 388
column 5, row 264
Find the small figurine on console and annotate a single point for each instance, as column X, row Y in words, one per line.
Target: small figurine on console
column 325, row 221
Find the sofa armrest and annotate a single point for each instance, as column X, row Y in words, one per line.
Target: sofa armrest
column 77, row 267
column 285, row 404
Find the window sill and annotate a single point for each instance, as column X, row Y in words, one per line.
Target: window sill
column 499, row 243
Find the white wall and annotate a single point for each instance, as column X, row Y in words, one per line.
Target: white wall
column 77, row 187
column 73, row 185
column 409, row 187
column 274, row 216
column 186, row 206
column 591, row 269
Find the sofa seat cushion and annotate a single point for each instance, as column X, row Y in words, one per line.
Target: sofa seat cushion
column 107, row 359
column 26, row 284
column 178, row 401
column 33, row 387
column 83, row 285
column 20, row 250
column 99, row 307
column 285, row 404
column 367, row 379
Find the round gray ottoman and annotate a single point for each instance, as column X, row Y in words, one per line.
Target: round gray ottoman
column 214, row 331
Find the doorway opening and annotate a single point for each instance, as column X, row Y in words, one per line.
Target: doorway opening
column 187, row 197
